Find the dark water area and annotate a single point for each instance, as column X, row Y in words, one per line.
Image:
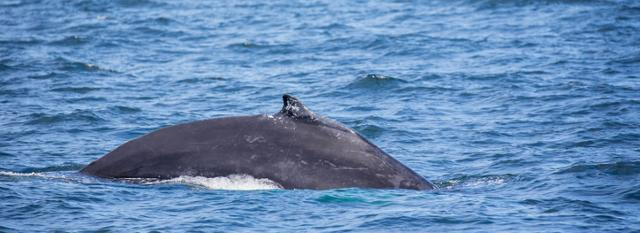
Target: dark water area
column 525, row 114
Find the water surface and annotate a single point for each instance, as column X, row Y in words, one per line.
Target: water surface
column 526, row 114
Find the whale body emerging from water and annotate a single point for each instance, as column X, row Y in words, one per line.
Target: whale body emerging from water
column 295, row 148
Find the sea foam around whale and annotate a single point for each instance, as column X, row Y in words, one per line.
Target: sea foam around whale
column 231, row 182
column 8, row 173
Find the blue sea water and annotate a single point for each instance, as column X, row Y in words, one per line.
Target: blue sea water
column 525, row 114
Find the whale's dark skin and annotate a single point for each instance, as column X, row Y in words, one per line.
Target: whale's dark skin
column 295, row 148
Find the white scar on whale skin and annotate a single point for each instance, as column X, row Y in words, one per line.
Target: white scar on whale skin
column 231, row 182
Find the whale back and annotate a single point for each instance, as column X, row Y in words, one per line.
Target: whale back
column 295, row 148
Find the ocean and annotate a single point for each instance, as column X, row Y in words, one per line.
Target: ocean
column 525, row 114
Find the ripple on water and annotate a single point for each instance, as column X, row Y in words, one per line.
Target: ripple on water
column 201, row 80
column 124, row 109
column 70, row 41
column 262, row 48
column 48, row 75
column 632, row 193
column 349, row 197
column 76, row 66
column 78, row 90
column 563, row 205
column 622, row 168
column 4, row 67
column 55, row 168
column 85, row 116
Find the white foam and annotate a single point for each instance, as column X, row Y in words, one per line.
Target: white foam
column 231, row 182
column 476, row 182
column 5, row 173
column 485, row 181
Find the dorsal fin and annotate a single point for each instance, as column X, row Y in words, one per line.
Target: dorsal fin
column 292, row 107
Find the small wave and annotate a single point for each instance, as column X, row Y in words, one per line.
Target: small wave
column 376, row 80
column 163, row 21
column 13, row 3
column 47, row 75
column 25, row 41
column 4, row 67
column 497, row 4
column 55, row 171
column 69, row 65
column 245, row 45
column 475, row 181
column 632, row 194
column 86, row 99
column 66, row 167
column 231, row 182
column 78, row 115
column 124, row 109
column 78, row 90
column 201, row 80
column 139, row 3
column 350, row 198
column 369, row 130
column 617, row 169
column 332, row 27
column 21, row 174
column 57, row 176
column 70, row 41
column 267, row 48
column 158, row 31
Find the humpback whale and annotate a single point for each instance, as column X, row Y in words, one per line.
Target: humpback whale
column 295, row 147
